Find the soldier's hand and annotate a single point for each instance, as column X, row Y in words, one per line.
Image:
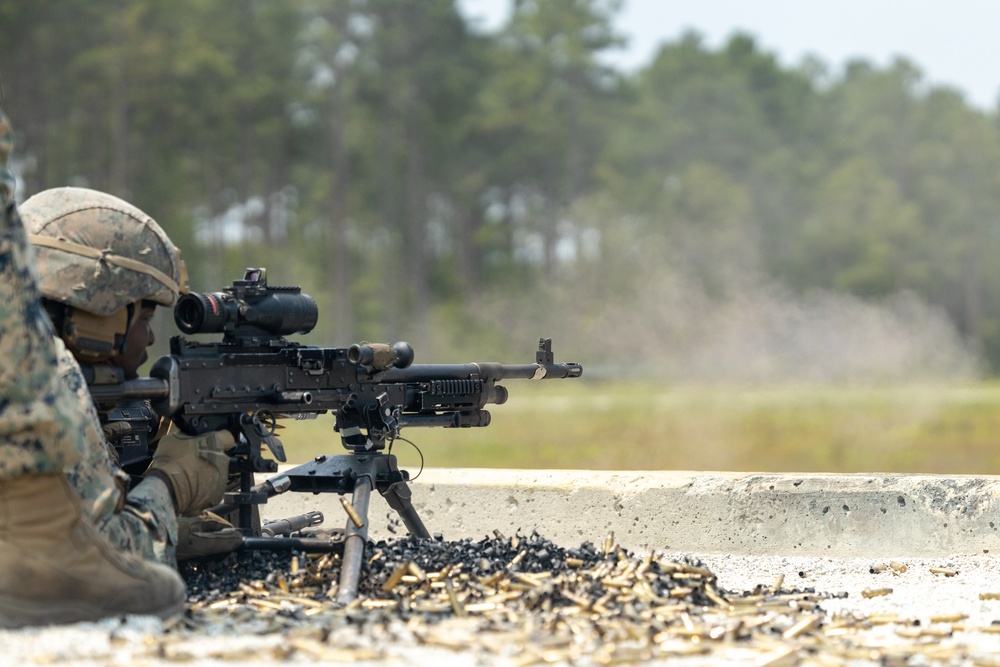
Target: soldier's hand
column 115, row 431
column 195, row 468
column 205, row 535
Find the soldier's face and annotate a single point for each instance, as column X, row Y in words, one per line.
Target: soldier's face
column 140, row 336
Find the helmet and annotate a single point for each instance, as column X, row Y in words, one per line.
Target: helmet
column 98, row 253
column 98, row 257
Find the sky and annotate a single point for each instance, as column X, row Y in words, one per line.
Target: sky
column 954, row 43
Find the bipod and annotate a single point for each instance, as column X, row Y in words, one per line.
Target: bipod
column 358, row 474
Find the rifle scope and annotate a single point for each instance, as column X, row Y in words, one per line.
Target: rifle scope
column 249, row 307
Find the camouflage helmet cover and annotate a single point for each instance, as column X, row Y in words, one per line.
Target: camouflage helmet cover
column 98, row 253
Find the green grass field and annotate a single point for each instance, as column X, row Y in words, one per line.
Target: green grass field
column 583, row 424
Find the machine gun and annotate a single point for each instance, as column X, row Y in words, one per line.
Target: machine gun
column 255, row 377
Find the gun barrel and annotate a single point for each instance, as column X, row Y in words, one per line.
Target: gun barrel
column 541, row 371
column 485, row 371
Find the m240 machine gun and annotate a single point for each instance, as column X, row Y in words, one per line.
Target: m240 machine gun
column 255, row 377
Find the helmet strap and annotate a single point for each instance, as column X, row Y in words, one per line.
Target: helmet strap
column 95, row 338
column 106, row 257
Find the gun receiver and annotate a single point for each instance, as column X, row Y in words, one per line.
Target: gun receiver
column 254, row 377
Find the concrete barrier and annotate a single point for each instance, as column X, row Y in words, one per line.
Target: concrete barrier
column 861, row 515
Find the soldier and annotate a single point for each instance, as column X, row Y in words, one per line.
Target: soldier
column 55, row 567
column 103, row 267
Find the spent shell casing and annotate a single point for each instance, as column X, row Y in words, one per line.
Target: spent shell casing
column 394, row 578
column 619, row 582
column 806, row 624
column 352, row 513
column 681, row 592
column 776, row 656
column 875, row 592
column 883, row 619
column 715, row 597
column 936, row 633
column 416, row 571
column 527, row 580
column 944, row 571
column 910, row 632
column 948, row 618
column 378, row 604
column 645, row 565
column 456, row 606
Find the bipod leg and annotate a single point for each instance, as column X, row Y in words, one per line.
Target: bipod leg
column 355, row 539
column 398, row 496
column 249, row 515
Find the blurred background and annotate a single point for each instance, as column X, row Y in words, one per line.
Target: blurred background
column 765, row 230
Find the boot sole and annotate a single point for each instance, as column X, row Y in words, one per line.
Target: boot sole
column 20, row 613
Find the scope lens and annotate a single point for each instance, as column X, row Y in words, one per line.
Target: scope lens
column 196, row 312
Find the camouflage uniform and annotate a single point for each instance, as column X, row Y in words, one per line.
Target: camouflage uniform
column 48, row 425
column 40, row 430
column 141, row 521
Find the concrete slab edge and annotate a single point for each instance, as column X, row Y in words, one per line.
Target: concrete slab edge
column 808, row 514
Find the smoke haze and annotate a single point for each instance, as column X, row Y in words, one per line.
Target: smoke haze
column 754, row 332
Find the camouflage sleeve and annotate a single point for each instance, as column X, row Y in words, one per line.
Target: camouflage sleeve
column 147, row 525
column 40, row 428
column 99, row 482
column 141, row 521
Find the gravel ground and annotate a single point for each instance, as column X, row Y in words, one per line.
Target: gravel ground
column 756, row 611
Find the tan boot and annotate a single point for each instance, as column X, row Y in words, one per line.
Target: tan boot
column 56, row 568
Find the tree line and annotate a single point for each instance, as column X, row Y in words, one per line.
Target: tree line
column 713, row 212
